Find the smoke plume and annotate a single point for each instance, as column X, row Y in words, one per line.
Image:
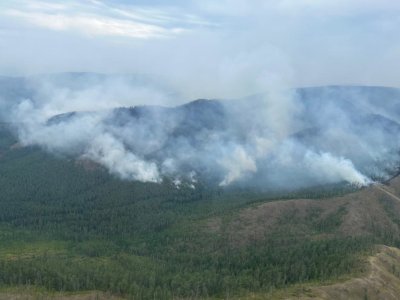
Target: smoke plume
column 283, row 138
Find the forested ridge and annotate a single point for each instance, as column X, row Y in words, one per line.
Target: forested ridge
column 66, row 228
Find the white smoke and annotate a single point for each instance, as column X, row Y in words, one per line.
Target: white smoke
column 238, row 164
column 83, row 135
column 273, row 139
column 334, row 169
column 108, row 151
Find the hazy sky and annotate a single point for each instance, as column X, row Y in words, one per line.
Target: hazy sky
column 207, row 48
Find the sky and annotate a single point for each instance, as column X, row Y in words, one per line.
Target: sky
column 207, row 48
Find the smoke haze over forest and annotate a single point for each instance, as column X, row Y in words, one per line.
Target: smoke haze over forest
column 248, row 55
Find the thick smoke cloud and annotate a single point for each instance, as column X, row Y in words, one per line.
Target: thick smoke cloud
column 110, row 152
column 279, row 139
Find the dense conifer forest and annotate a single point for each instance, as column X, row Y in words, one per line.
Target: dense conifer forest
column 65, row 227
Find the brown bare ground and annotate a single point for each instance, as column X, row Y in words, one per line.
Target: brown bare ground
column 364, row 215
column 381, row 282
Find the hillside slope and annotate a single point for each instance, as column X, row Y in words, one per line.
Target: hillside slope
column 372, row 211
column 382, row 280
column 68, row 226
column 379, row 280
column 331, row 134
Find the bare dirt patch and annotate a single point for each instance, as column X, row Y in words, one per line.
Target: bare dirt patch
column 363, row 214
column 381, row 282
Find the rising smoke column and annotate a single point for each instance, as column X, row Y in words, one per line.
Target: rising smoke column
column 296, row 137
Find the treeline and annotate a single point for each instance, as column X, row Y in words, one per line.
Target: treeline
column 148, row 241
column 256, row 268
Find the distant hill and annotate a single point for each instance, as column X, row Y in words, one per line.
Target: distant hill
column 212, row 199
column 360, row 124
